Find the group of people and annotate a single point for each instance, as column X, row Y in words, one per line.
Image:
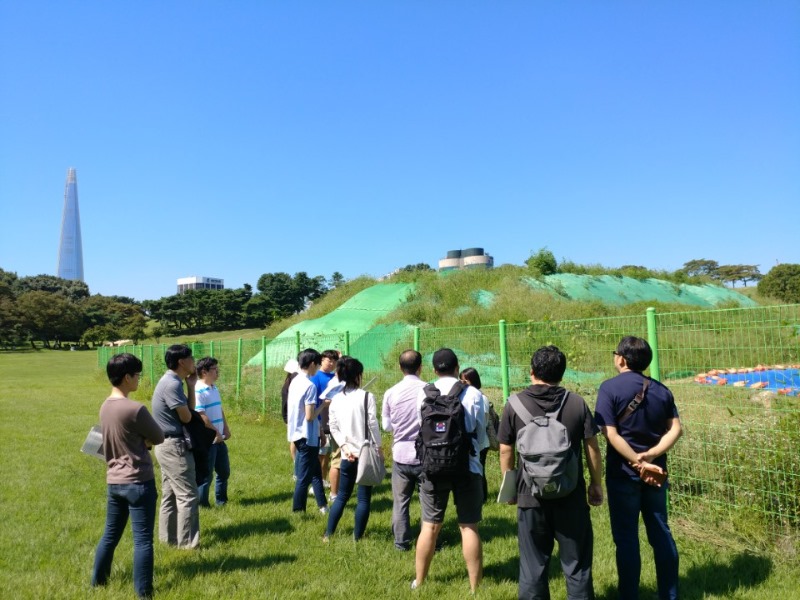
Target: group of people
column 188, row 429
column 330, row 418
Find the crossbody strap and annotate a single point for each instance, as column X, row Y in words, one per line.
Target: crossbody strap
column 634, row 404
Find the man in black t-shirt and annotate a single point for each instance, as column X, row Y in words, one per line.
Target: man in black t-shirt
column 638, row 439
column 541, row 521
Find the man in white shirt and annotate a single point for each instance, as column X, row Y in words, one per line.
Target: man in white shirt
column 400, row 417
column 303, row 429
column 467, row 489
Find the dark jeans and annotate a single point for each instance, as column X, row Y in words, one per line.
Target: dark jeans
column 537, row 528
column 309, row 471
column 219, row 463
column 627, row 497
column 347, row 481
column 139, row 501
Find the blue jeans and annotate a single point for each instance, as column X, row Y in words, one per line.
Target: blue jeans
column 627, row 497
column 309, row 471
column 219, row 463
column 405, row 478
column 347, row 481
column 139, row 501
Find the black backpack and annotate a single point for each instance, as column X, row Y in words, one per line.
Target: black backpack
column 443, row 444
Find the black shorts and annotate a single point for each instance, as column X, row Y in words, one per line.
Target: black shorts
column 467, row 494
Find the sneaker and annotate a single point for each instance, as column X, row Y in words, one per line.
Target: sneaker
column 403, row 547
column 333, row 498
column 323, row 510
column 326, row 484
column 414, row 584
column 325, row 539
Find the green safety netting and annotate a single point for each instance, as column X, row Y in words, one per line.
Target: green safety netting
column 356, row 316
column 625, row 290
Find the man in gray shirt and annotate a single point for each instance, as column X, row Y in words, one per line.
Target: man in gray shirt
column 178, row 520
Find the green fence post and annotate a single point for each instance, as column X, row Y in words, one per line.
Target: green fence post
column 152, row 372
column 652, row 339
column 416, row 339
column 504, row 359
column 264, row 374
column 238, row 368
column 211, row 349
column 347, row 343
column 194, row 349
column 297, row 340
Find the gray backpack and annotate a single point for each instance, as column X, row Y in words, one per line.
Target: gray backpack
column 549, row 465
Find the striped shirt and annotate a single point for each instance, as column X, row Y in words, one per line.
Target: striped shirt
column 210, row 403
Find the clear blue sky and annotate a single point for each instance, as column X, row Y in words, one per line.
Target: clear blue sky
column 230, row 139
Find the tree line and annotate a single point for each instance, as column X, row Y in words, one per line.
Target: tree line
column 51, row 310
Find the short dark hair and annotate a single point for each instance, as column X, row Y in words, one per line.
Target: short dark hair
column 472, row 376
column 548, row 364
column 410, row 362
column 445, row 361
column 636, row 352
column 308, row 357
column 205, row 364
column 175, row 353
column 349, row 370
column 120, row 365
column 331, row 355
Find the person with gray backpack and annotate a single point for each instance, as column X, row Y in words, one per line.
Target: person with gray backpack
column 548, row 427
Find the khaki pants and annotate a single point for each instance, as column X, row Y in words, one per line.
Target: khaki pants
column 179, row 517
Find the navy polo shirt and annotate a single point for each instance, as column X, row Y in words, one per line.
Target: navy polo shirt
column 644, row 428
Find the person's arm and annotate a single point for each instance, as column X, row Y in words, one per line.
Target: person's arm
column 372, row 423
column 507, row 457
column 148, row 428
column 629, row 454
column 667, row 441
column 191, row 382
column 226, row 432
column 594, row 462
column 386, row 414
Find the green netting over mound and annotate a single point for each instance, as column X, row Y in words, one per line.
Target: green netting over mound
column 625, row 290
column 357, row 316
column 488, row 366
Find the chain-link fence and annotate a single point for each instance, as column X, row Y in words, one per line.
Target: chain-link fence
column 734, row 374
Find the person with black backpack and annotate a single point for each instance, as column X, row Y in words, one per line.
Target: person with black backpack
column 452, row 432
column 547, row 426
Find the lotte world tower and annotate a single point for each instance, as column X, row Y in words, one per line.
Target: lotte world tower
column 70, row 248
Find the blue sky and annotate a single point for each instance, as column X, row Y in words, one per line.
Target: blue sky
column 238, row 138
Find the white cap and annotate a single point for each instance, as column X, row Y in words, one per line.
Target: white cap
column 292, row 366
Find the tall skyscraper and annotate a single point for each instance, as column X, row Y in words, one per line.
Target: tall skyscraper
column 70, row 249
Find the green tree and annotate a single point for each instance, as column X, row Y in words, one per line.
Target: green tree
column 417, row 267
column 69, row 288
column 542, row 262
column 49, row 316
column 700, row 266
column 782, row 283
column 281, row 292
column 12, row 331
column 336, row 280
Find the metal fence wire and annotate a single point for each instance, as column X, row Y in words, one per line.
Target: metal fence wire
column 734, row 374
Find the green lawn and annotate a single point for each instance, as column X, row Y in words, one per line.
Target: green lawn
column 53, row 502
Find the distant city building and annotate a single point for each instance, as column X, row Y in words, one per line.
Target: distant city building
column 70, row 248
column 471, row 258
column 200, row 283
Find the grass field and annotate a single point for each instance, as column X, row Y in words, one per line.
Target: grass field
column 53, row 505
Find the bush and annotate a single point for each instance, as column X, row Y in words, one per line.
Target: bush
column 782, row 282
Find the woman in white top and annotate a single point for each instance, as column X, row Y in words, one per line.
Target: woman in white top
column 470, row 376
column 349, row 425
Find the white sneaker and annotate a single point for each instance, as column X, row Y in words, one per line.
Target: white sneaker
column 332, row 499
column 414, row 584
column 323, row 510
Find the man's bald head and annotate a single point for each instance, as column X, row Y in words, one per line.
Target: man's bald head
column 410, row 362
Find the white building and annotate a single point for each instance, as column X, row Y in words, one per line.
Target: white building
column 470, row 258
column 200, row 283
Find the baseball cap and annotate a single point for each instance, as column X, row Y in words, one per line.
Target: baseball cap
column 292, row 366
column 444, row 360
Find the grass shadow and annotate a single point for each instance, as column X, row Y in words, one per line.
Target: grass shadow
column 228, row 563
column 723, row 578
column 497, row 527
column 226, row 533
column 258, row 500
